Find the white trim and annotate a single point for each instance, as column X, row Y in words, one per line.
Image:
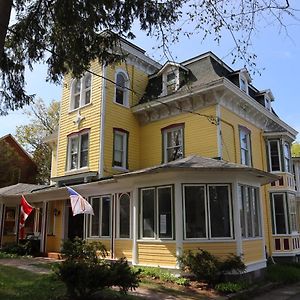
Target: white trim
column 102, row 123
column 236, row 217
column 178, row 211
column 219, row 131
column 254, row 266
column 135, row 225
column 125, row 89
column 117, row 219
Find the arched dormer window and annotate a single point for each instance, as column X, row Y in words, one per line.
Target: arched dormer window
column 81, row 91
column 121, row 94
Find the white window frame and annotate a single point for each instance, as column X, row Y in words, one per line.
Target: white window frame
column 279, row 155
column 170, row 70
column 78, row 137
column 205, row 208
column 156, row 213
column 292, row 214
column 81, row 93
column 124, row 90
column 287, row 159
column 124, row 135
column 165, row 140
column 248, row 150
column 285, row 214
column 118, row 216
column 243, row 78
column 268, row 104
column 100, row 217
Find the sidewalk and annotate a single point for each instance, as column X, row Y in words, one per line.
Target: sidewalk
column 289, row 292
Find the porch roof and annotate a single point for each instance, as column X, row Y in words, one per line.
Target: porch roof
column 20, row 188
column 197, row 163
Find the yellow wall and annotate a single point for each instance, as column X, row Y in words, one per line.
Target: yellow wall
column 200, row 137
column 253, row 251
column 91, row 113
column 157, row 254
column 123, row 248
column 220, row 249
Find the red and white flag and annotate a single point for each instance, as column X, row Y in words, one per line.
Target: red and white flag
column 25, row 211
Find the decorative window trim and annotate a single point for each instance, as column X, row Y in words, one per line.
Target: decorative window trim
column 125, row 90
column 156, row 228
column 249, row 148
column 165, row 131
column 125, row 137
column 82, row 92
column 77, row 135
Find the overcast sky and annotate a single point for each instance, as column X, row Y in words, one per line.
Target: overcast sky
column 278, row 60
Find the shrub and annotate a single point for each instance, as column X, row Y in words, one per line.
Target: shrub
column 230, row 287
column 17, row 249
column 84, row 272
column 206, row 266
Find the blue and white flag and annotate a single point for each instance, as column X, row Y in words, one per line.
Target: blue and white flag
column 79, row 204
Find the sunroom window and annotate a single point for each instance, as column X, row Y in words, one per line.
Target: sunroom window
column 78, row 149
column 156, row 207
column 173, row 147
column 81, row 91
column 124, row 215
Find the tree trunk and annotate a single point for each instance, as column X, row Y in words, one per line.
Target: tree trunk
column 5, row 10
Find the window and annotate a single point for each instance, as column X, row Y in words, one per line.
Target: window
column 78, row 150
column 245, row 146
column 156, row 208
column 172, row 143
column 292, row 212
column 207, row 211
column 171, row 82
column 121, row 92
column 243, row 84
column 287, row 157
column 268, row 105
column 249, row 211
column 10, row 221
column 124, row 215
column 81, row 91
column 274, row 155
column 279, row 214
column 100, row 222
column 120, row 154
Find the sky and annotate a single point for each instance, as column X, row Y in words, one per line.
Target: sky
column 278, row 59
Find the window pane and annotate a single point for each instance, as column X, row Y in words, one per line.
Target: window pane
column 165, row 222
column 287, row 157
column 95, row 218
column 279, row 214
column 124, row 216
column 74, row 153
column 148, row 197
column 121, row 80
column 76, row 101
column 245, row 147
column 87, row 98
column 77, row 86
column 195, row 220
column 120, row 88
column 219, row 211
column 174, row 144
column 242, row 209
column 274, row 152
column 292, row 212
column 119, row 96
column 84, row 150
column 105, row 224
column 248, row 203
column 119, row 159
column 256, row 212
column 87, row 81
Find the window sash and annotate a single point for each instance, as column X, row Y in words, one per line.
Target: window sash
column 173, row 144
column 287, row 157
column 124, row 215
column 279, row 213
column 274, row 155
column 245, row 148
column 120, row 154
column 78, row 149
column 81, row 91
column 121, row 92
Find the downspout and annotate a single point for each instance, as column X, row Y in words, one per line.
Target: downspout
column 102, row 121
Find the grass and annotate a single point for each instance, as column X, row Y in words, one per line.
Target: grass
column 283, row 273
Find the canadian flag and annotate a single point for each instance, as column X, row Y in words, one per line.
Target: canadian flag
column 25, row 211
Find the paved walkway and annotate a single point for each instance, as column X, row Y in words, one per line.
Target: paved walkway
column 289, row 292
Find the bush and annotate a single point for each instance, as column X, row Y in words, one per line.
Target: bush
column 230, row 287
column 84, row 270
column 18, row 249
column 205, row 266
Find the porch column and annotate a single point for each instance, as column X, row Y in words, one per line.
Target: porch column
column 135, row 224
column 44, row 228
column 2, row 216
column 178, row 219
column 236, row 218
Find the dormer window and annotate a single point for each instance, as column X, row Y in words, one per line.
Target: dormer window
column 243, row 84
column 121, row 92
column 268, row 103
column 81, row 91
column 171, row 83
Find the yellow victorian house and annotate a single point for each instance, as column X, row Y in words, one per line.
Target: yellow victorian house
column 175, row 157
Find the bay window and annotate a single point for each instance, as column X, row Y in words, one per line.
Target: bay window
column 156, row 212
column 173, row 147
column 280, row 222
column 287, row 157
column 78, row 149
column 207, row 211
column 274, row 155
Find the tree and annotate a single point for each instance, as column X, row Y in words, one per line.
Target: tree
column 44, row 121
column 296, row 149
column 68, row 34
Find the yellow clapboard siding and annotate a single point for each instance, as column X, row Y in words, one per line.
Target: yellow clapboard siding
column 91, row 114
column 123, row 248
column 200, row 137
column 220, row 249
column 158, row 254
column 54, row 242
column 105, row 242
column 253, row 251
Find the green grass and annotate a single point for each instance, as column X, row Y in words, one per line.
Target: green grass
column 283, row 273
column 16, row 284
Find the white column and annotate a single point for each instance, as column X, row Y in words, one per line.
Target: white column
column 236, row 218
column 178, row 219
column 2, row 216
column 135, row 224
column 44, row 228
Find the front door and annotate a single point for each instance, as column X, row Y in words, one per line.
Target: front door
column 75, row 225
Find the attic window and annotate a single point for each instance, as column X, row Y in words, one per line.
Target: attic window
column 243, row 84
column 268, row 103
column 171, row 82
